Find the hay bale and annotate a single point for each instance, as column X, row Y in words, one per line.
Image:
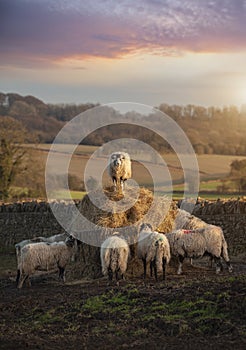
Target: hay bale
column 145, row 208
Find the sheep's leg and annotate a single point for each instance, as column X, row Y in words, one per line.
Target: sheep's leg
column 75, row 251
column 181, row 259
column 144, row 266
column 28, row 281
column 155, row 270
column 117, row 275
column 122, row 185
column 22, row 280
column 210, row 262
column 219, row 266
column 61, row 273
column 17, row 277
column 151, row 268
column 163, row 269
column 225, row 256
column 153, row 265
column 229, row 266
column 115, row 184
column 110, row 274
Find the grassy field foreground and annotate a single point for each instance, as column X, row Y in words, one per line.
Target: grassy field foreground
column 198, row 310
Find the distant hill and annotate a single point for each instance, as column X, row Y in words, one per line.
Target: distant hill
column 45, row 120
column 211, row 130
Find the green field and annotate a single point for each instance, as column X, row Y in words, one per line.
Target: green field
column 210, row 185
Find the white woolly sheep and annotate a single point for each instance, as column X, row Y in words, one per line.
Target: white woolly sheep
column 153, row 248
column 119, row 168
column 18, row 246
column 44, row 256
column 114, row 254
column 185, row 220
column 198, row 243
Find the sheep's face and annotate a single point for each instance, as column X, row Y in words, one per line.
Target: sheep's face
column 145, row 227
column 117, row 159
column 70, row 241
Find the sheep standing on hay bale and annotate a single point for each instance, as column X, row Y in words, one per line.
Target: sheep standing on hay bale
column 114, row 254
column 55, row 238
column 153, row 248
column 45, row 257
column 197, row 243
column 119, row 169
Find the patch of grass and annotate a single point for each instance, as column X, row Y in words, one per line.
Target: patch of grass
column 140, row 332
column 62, row 194
column 37, row 319
column 179, row 316
column 94, row 304
column 49, row 316
column 137, row 311
column 122, row 304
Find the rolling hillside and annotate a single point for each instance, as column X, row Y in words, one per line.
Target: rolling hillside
column 210, row 130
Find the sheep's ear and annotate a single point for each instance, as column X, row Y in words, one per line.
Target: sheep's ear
column 70, row 240
column 150, row 226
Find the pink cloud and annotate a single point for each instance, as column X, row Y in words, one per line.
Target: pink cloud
column 43, row 32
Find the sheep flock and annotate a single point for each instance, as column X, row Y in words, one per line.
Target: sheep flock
column 190, row 238
column 154, row 249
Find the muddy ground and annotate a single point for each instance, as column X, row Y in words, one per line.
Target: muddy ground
column 197, row 310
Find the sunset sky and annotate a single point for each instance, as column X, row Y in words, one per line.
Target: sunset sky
column 145, row 51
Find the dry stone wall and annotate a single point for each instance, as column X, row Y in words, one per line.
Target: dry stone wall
column 20, row 221
column 231, row 216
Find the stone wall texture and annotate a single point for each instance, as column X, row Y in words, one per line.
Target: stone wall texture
column 231, row 216
column 24, row 220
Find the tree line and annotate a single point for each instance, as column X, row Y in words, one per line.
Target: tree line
column 211, row 130
column 26, row 120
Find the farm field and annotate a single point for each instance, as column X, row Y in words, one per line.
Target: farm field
column 213, row 168
column 197, row 310
column 210, row 165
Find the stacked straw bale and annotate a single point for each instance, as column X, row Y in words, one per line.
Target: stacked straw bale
column 127, row 222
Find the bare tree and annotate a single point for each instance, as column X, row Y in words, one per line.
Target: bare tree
column 238, row 174
column 12, row 137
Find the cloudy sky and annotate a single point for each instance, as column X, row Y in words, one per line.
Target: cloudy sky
column 145, row 51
